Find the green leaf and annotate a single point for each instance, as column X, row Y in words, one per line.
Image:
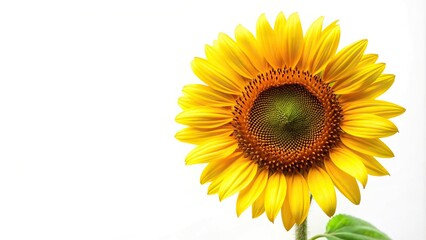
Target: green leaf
column 345, row 227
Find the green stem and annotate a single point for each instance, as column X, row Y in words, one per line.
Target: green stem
column 302, row 230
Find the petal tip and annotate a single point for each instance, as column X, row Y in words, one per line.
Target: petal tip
column 288, row 228
column 364, row 41
column 330, row 212
column 238, row 212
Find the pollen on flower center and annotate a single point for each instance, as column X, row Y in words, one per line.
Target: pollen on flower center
column 287, row 120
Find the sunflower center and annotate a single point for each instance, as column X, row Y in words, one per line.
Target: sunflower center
column 287, row 120
column 287, row 116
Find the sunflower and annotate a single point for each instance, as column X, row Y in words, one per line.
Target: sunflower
column 283, row 116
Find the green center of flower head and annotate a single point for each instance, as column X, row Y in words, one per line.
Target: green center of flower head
column 287, row 116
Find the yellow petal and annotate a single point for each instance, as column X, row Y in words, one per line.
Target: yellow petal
column 192, row 101
column 250, row 47
column 218, row 179
column 215, row 168
column 215, row 149
column 311, row 42
column 344, row 182
column 258, row 207
column 218, row 80
column 205, row 117
column 368, row 126
column 344, row 62
column 377, row 107
column 279, row 26
column 185, row 103
column 322, row 190
column 268, row 42
column 279, row 29
column 238, row 177
column 207, row 96
column 275, row 192
column 216, row 57
column 215, row 185
column 298, row 196
column 235, row 57
column 327, row 48
column 349, row 162
column 370, row 146
column 249, row 194
column 293, row 43
column 361, row 79
column 329, row 28
column 287, row 219
column 373, row 166
column 377, row 88
column 199, row 135
column 367, row 59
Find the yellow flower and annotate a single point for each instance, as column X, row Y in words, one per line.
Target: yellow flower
column 282, row 116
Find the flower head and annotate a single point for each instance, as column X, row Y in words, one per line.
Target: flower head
column 282, row 116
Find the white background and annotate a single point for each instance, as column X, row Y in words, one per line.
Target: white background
column 88, row 94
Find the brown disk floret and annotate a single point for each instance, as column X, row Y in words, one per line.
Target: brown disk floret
column 287, row 120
